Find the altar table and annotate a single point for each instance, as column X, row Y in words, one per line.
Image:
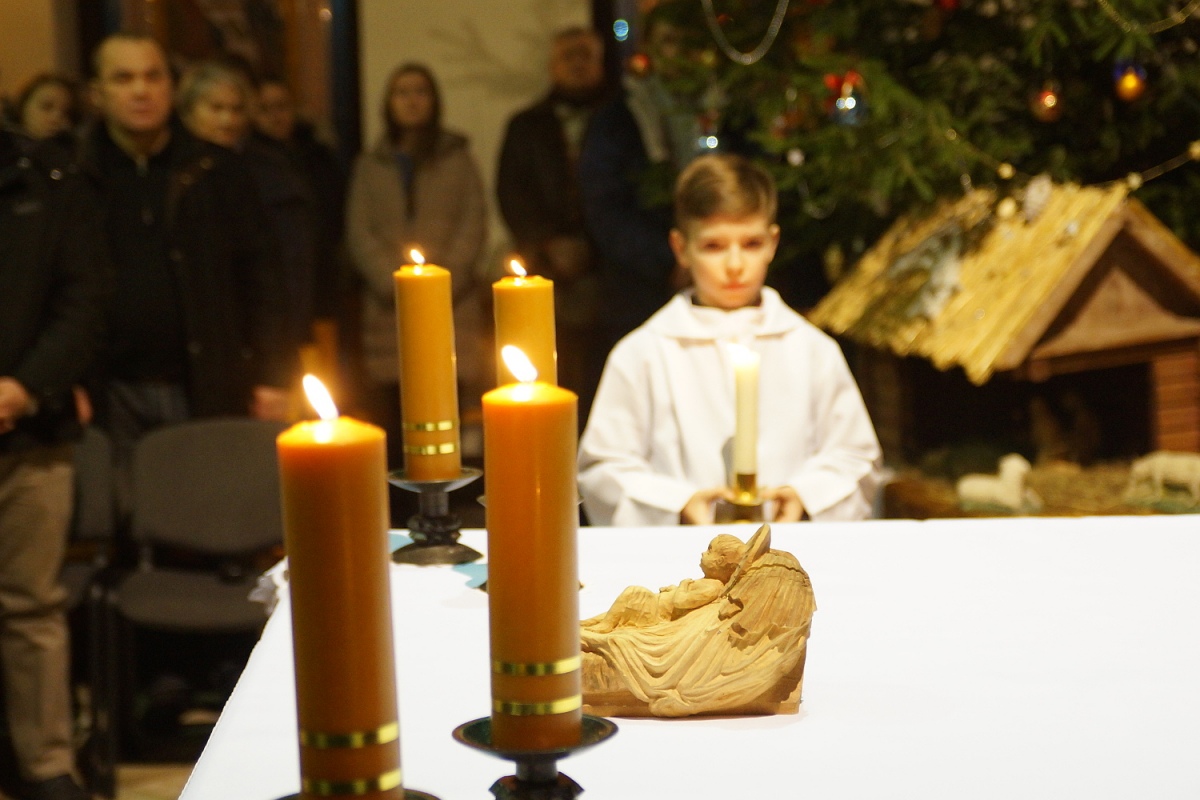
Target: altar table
column 967, row 659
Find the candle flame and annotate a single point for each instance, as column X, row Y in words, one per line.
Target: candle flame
column 518, row 363
column 319, row 398
column 742, row 355
column 517, row 268
column 416, row 256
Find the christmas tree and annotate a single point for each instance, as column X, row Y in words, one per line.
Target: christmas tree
column 867, row 109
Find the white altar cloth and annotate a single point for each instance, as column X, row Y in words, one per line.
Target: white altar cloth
column 964, row 659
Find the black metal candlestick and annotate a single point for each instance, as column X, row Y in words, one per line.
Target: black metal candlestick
column 434, row 530
column 537, row 775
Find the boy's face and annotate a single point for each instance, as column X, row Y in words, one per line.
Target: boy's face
column 727, row 258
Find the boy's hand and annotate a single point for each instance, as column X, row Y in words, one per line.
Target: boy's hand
column 699, row 508
column 788, row 506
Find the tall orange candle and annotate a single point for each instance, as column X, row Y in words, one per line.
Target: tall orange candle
column 524, row 311
column 533, row 585
column 333, row 477
column 428, row 372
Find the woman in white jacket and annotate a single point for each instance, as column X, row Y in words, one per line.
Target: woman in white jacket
column 655, row 449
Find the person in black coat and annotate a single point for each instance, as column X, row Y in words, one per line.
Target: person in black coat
column 196, row 324
column 51, row 283
column 537, row 185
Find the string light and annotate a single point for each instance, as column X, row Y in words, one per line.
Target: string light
column 1178, row 18
column 737, row 56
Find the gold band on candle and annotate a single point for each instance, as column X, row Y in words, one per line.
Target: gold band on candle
column 430, row 449
column 381, row 735
column 516, row 709
column 560, row 667
column 386, row 781
column 745, row 488
column 442, row 425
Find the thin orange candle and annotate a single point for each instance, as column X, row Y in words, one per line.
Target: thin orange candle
column 333, row 478
column 533, row 585
column 524, row 311
column 428, row 372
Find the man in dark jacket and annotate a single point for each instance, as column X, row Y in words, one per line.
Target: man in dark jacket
column 195, row 324
column 538, row 188
column 50, row 311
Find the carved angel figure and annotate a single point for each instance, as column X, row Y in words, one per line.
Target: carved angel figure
column 732, row 642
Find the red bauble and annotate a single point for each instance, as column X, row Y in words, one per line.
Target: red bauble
column 639, row 64
column 948, row 5
column 1046, row 104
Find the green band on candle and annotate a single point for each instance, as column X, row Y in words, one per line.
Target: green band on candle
column 560, row 667
column 515, row 709
column 430, row 449
column 443, row 425
column 386, row 781
column 381, row 735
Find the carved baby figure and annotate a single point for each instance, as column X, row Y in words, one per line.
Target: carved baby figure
column 732, row 642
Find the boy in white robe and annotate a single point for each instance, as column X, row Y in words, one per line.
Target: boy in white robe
column 655, row 449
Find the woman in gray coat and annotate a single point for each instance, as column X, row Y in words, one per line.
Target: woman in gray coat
column 418, row 187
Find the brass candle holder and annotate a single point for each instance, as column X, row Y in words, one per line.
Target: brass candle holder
column 747, row 505
column 434, row 529
column 537, row 776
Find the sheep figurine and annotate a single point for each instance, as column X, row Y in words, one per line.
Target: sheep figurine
column 1164, row 468
column 1006, row 490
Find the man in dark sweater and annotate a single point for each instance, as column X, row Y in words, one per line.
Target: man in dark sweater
column 50, row 310
column 195, row 320
column 538, row 189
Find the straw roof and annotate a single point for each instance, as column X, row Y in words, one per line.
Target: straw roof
column 965, row 287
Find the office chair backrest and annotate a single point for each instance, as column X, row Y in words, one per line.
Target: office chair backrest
column 210, row 486
column 95, row 499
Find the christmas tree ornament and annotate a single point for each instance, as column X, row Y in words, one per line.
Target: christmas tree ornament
column 1129, row 80
column 846, row 103
column 1046, row 104
column 1005, row 171
column 639, row 64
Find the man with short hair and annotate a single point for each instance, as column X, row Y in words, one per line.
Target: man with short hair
column 50, row 310
column 538, row 188
column 195, row 323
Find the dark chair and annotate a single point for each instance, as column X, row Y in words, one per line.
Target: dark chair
column 92, row 532
column 204, row 505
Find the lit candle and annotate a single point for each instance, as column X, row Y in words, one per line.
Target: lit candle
column 333, row 479
column 533, row 586
column 524, row 310
column 745, row 435
column 428, row 371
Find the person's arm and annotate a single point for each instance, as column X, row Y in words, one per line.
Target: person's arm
column 624, row 232
column 255, row 248
column 374, row 259
column 837, row 482
column 517, row 185
column 461, row 253
column 68, row 342
column 618, row 484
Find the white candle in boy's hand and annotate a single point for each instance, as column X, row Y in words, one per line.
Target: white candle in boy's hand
column 745, row 434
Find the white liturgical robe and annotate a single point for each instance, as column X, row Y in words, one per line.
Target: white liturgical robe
column 662, row 423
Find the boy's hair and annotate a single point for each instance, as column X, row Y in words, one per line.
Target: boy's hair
column 723, row 184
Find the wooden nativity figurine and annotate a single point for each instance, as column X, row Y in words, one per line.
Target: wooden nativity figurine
column 732, row 642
